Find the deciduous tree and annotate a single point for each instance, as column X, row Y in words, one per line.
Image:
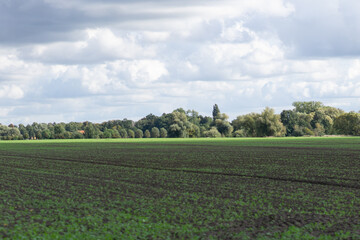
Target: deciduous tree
column 155, row 132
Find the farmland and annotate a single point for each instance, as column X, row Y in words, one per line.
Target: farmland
column 264, row 188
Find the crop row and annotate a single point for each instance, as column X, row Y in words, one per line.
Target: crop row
column 185, row 190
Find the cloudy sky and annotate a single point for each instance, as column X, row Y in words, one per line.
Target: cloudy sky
column 98, row 60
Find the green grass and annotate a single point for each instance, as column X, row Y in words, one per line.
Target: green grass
column 263, row 188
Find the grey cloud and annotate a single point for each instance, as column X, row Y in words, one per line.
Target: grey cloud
column 242, row 62
column 41, row 21
column 103, row 46
column 58, row 89
column 37, row 21
column 321, row 28
column 34, row 21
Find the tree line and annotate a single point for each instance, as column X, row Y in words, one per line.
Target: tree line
column 305, row 119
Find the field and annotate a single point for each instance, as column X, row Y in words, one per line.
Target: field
column 272, row 188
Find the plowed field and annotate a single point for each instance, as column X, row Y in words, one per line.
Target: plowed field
column 274, row 188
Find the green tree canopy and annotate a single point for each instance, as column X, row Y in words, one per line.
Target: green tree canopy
column 307, row 107
column 247, row 124
column 147, row 134
column 131, row 133
column 348, row 124
column 259, row 125
column 139, row 133
column 269, row 124
column 123, row 133
column 177, row 124
column 155, row 132
column 216, row 111
column 163, row 133
column 212, row 133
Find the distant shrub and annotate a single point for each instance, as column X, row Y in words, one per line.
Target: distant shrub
column 212, row 133
column 147, row 134
column 239, row 133
column 163, row 133
column 139, row 133
column 307, row 131
column 155, row 132
column 131, row 133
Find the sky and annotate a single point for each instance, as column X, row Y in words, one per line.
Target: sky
column 99, row 60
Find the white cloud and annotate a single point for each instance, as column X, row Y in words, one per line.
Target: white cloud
column 152, row 36
column 95, row 46
column 122, row 75
column 12, row 68
column 130, row 58
column 233, row 56
column 236, row 33
column 354, row 70
column 4, row 111
column 146, row 71
column 95, row 79
column 210, row 9
column 11, row 91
